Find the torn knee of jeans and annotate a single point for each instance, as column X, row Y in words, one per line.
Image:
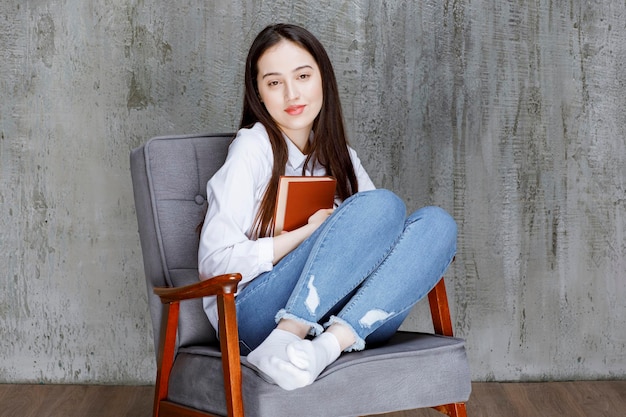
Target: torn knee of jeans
column 312, row 300
column 373, row 316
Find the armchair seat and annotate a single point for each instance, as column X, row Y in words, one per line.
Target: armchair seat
column 440, row 377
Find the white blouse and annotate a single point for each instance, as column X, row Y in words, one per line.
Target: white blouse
column 234, row 196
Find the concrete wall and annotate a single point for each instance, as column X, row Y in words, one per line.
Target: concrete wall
column 510, row 114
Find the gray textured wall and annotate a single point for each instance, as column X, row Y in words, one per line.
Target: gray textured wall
column 510, row 114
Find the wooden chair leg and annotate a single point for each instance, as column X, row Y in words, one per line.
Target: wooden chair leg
column 442, row 323
column 452, row 410
column 440, row 310
column 165, row 357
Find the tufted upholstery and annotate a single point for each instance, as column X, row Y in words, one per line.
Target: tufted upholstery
column 169, row 177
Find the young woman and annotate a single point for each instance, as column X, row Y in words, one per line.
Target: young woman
column 350, row 276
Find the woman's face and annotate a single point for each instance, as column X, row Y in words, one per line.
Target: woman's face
column 290, row 87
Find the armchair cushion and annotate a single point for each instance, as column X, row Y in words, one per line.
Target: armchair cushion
column 196, row 381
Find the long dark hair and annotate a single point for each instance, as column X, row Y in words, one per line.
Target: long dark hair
column 329, row 146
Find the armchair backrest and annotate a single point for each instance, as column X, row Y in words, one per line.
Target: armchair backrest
column 169, row 175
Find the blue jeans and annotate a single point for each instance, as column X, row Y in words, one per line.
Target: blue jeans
column 366, row 266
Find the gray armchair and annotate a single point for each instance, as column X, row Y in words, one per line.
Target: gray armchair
column 199, row 375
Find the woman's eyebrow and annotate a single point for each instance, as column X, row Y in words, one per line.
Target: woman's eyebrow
column 301, row 67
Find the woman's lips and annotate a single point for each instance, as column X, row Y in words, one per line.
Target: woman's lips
column 295, row 110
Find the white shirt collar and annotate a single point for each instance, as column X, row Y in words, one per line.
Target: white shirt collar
column 296, row 157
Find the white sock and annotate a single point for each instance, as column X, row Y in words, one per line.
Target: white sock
column 312, row 357
column 274, row 346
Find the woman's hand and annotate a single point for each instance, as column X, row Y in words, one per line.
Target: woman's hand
column 288, row 241
column 319, row 216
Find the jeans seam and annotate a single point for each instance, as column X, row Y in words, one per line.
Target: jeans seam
column 373, row 268
column 402, row 236
column 372, row 272
column 316, row 249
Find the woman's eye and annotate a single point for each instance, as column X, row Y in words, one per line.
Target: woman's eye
column 304, row 76
column 272, row 83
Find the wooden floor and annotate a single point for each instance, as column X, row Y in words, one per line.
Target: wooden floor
column 550, row 399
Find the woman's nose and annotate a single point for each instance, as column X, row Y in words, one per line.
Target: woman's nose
column 291, row 91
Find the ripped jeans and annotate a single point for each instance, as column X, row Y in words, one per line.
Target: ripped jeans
column 366, row 266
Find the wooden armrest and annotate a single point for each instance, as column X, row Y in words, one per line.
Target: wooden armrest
column 219, row 285
column 224, row 287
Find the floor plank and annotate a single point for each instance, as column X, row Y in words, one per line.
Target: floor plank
column 600, row 399
column 489, row 400
column 493, row 399
column 548, row 399
column 75, row 400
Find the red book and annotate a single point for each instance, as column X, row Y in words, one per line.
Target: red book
column 298, row 198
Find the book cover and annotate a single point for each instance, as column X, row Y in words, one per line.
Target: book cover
column 298, row 198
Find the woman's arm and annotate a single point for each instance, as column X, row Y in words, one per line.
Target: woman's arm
column 233, row 195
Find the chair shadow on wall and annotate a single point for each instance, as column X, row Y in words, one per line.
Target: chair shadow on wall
column 199, row 374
